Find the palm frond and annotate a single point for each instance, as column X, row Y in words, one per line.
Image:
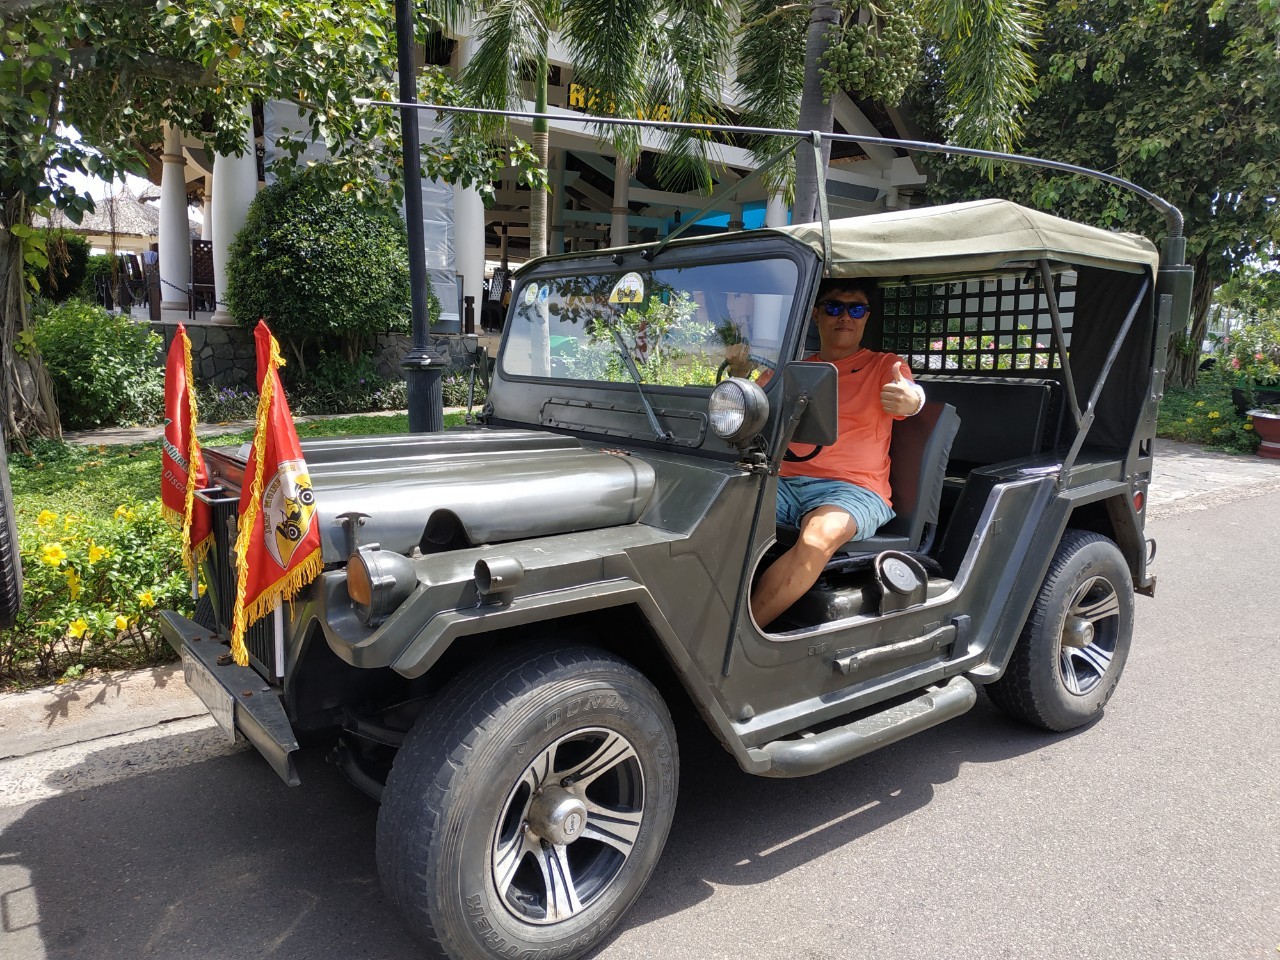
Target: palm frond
column 510, row 35
column 988, row 72
column 771, row 75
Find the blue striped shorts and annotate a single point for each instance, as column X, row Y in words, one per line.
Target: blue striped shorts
column 798, row 496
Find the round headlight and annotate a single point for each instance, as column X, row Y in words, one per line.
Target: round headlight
column 738, row 410
column 378, row 581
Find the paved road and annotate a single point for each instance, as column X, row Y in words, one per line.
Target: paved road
column 1154, row 834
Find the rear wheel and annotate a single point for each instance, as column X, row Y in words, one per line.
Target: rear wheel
column 528, row 810
column 1076, row 640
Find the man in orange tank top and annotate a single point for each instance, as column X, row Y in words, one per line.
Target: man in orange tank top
column 842, row 493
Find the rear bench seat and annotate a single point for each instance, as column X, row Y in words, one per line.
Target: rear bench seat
column 1000, row 418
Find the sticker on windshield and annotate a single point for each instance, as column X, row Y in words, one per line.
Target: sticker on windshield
column 630, row 289
column 530, row 293
column 544, row 293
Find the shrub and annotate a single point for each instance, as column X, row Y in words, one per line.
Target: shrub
column 92, row 587
column 98, row 273
column 318, row 262
column 455, row 385
column 220, row 404
column 1252, row 352
column 68, row 262
column 1206, row 415
column 103, row 366
column 332, row 384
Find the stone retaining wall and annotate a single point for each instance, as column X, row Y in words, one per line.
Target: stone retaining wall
column 223, row 355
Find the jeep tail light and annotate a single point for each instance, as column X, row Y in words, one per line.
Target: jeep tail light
column 378, row 581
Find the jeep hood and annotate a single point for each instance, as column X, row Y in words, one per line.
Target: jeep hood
column 466, row 487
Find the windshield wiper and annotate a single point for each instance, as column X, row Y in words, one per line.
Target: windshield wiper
column 630, row 364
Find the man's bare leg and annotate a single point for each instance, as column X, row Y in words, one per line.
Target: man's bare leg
column 822, row 531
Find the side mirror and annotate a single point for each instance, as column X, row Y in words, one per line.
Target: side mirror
column 815, row 383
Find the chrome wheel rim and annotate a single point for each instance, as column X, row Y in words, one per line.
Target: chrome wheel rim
column 568, row 826
column 1089, row 634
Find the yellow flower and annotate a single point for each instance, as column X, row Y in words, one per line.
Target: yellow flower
column 46, row 518
column 1248, row 426
column 122, row 622
column 123, row 513
column 1216, row 430
column 1199, row 403
column 52, row 554
column 1191, row 419
column 1214, row 415
column 202, row 589
column 145, row 600
column 73, row 584
column 96, row 552
column 78, row 627
column 70, row 521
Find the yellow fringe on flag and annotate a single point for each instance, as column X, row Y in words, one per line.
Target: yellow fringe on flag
column 191, row 553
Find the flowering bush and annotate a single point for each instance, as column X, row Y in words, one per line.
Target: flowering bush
column 1206, row 415
column 91, row 590
column 1252, row 352
column 220, row 404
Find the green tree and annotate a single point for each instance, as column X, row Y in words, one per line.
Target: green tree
column 793, row 57
column 117, row 70
column 1179, row 96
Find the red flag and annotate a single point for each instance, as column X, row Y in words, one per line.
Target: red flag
column 278, row 544
column 182, row 466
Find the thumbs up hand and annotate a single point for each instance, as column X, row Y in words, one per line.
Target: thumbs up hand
column 900, row 397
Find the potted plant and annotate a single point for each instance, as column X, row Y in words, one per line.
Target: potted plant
column 1266, row 424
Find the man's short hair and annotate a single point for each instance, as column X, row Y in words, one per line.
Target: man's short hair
column 863, row 285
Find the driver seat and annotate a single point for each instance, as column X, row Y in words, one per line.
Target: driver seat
column 918, row 452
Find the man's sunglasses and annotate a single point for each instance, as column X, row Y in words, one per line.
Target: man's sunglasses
column 856, row 311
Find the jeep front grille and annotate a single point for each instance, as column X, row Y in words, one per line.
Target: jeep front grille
column 220, row 580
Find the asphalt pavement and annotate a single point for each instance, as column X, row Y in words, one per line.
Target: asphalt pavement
column 1153, row 834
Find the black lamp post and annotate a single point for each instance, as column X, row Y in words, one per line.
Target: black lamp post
column 423, row 369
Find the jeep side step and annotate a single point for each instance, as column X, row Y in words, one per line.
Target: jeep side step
column 821, row 751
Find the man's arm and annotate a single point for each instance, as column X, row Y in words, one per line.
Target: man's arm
column 901, row 397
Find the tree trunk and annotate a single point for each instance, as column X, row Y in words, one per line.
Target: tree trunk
column 816, row 111
column 26, row 390
column 1184, row 345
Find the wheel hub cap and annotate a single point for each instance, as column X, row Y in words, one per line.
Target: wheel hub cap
column 1077, row 632
column 557, row 816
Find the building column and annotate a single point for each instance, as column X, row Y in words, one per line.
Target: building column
column 175, row 230
column 775, row 211
column 235, row 184
column 206, row 226
column 735, row 217
column 469, row 218
column 620, row 230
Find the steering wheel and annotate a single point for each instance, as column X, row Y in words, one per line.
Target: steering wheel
column 756, row 361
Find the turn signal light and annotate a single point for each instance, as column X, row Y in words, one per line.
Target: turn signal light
column 378, row 581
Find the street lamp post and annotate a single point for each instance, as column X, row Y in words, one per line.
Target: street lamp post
column 423, row 368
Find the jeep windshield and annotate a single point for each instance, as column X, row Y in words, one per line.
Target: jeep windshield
column 680, row 324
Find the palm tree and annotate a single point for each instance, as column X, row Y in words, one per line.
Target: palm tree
column 983, row 47
column 630, row 53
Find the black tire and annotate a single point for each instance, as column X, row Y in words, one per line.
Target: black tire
column 10, row 558
column 462, row 846
column 1076, row 640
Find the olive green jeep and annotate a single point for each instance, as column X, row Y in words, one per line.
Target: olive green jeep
column 511, row 612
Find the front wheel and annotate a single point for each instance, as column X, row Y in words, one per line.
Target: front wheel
column 527, row 811
column 1076, row 640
